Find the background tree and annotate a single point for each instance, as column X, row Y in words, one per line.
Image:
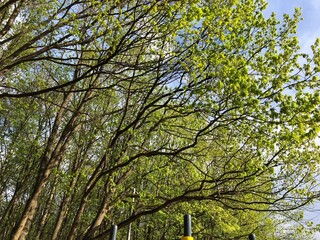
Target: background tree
column 200, row 106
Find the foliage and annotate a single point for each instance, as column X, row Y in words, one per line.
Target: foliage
column 137, row 112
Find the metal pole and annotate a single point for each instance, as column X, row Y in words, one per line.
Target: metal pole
column 187, row 228
column 131, row 213
column 252, row 236
column 187, row 225
column 113, row 233
column 129, row 232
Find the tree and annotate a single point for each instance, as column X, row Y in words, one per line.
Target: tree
column 191, row 103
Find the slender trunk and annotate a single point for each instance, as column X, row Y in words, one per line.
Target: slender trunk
column 104, row 207
column 163, row 237
column 97, row 222
column 76, row 220
column 8, row 212
column 62, row 214
column 9, row 208
column 45, row 216
column 63, row 211
column 22, row 227
column 21, row 231
column 149, row 233
column 89, row 187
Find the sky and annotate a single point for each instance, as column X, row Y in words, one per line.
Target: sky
column 309, row 28
column 308, row 32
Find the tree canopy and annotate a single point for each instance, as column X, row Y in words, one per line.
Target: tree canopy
column 135, row 112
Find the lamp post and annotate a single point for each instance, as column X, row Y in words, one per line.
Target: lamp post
column 113, row 233
column 252, row 236
column 131, row 213
column 187, row 228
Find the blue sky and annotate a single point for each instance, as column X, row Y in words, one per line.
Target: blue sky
column 308, row 32
column 309, row 28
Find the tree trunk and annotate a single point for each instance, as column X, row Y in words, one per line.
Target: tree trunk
column 63, row 211
column 21, row 230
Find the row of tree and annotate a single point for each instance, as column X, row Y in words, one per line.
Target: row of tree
column 136, row 112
